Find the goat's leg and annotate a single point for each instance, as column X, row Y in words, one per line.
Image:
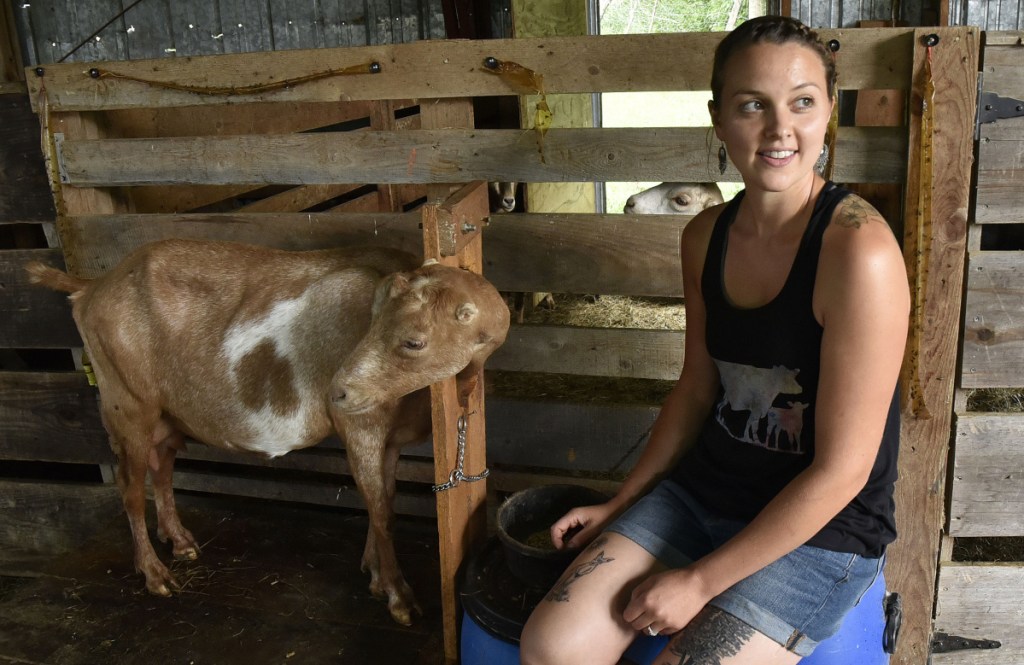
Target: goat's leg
column 368, row 456
column 131, row 479
column 161, row 465
column 369, row 561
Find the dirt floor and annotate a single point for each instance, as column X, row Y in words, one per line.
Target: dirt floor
column 274, row 584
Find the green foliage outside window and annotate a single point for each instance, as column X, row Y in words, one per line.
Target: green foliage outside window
column 620, row 17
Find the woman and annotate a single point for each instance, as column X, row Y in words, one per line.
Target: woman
column 759, row 512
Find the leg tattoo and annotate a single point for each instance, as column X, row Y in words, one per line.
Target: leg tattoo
column 560, row 592
column 710, row 637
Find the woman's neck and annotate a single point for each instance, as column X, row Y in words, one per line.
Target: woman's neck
column 768, row 214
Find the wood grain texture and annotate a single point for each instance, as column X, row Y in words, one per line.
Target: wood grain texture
column 993, row 328
column 871, row 58
column 31, row 316
column 924, row 441
column 987, row 497
column 981, row 602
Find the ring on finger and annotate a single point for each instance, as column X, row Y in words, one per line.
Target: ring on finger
column 650, row 631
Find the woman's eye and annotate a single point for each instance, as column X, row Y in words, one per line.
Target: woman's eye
column 805, row 102
column 414, row 344
column 751, row 106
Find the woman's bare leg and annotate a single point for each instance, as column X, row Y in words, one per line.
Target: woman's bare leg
column 580, row 619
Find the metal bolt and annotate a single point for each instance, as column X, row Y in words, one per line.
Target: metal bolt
column 490, row 62
column 375, row 68
column 833, row 45
column 931, row 40
column 40, row 71
column 95, row 73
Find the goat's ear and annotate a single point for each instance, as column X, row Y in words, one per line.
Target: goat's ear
column 388, row 288
column 466, row 312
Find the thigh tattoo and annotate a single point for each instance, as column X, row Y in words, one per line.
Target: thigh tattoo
column 560, row 592
column 710, row 637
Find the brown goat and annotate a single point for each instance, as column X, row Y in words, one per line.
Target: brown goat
column 268, row 351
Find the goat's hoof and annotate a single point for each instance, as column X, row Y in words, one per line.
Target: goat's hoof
column 187, row 554
column 160, row 590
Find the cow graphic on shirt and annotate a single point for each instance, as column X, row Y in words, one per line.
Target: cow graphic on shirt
column 754, row 390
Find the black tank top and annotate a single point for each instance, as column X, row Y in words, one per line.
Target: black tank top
column 760, row 433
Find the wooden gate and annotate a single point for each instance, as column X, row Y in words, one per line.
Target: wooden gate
column 980, row 600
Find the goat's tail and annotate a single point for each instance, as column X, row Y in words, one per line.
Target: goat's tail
column 58, row 280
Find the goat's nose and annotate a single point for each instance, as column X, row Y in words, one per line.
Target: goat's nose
column 509, row 202
column 630, row 204
column 339, row 396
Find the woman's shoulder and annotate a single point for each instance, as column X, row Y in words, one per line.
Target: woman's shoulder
column 859, row 248
column 856, row 226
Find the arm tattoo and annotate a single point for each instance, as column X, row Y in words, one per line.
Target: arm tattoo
column 855, row 212
column 560, row 592
column 712, row 636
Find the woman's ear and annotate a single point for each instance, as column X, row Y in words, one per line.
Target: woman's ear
column 713, row 112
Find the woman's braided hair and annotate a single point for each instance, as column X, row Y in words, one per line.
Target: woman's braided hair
column 771, row 30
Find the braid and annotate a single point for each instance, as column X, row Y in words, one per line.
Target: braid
column 771, row 30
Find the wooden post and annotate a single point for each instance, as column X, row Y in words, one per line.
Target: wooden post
column 451, row 235
column 938, row 266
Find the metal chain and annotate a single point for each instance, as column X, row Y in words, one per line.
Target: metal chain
column 457, row 476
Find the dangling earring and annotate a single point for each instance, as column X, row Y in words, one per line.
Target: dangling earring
column 723, row 160
column 822, row 160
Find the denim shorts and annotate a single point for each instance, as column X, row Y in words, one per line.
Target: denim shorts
column 798, row 601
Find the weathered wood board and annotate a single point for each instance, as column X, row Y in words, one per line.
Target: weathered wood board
column 981, row 602
column 987, row 497
column 993, row 329
column 871, row 58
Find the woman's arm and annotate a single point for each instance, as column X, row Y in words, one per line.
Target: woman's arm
column 683, row 411
column 862, row 301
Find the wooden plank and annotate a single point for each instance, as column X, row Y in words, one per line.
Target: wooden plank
column 292, row 489
column 993, row 329
column 149, row 32
column 53, row 417
column 11, row 67
column 1004, row 129
column 931, row 358
column 987, row 497
column 435, row 156
column 1001, row 161
column 999, row 203
column 459, row 421
column 31, row 316
column 1003, row 70
column 52, row 518
column 195, row 27
column 50, row 417
column 871, row 58
column 24, row 189
column 620, row 352
column 981, row 602
column 598, row 254
column 1004, row 38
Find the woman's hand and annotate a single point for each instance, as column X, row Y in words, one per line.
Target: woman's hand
column 581, row 525
column 666, row 602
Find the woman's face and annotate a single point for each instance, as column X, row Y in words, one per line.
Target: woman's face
column 773, row 113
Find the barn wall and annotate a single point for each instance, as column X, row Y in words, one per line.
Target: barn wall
column 50, row 29
column 978, row 599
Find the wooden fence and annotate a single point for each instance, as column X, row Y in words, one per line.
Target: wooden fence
column 304, row 149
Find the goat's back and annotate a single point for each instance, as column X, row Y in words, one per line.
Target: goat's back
column 234, row 344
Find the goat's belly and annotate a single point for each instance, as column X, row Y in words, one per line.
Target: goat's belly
column 259, row 431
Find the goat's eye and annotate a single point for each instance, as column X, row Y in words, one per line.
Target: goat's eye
column 682, row 201
column 414, row 344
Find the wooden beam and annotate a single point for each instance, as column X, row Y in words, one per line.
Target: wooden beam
column 32, row 316
column 935, row 260
column 981, row 601
column 458, row 427
column 443, row 155
column 428, row 69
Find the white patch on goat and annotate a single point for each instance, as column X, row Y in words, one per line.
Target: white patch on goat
column 273, row 434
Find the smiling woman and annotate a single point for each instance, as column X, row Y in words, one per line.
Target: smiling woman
column 760, row 510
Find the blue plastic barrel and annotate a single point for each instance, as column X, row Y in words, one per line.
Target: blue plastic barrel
column 496, row 607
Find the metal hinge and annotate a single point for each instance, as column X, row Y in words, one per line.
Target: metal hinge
column 944, row 643
column 992, row 107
